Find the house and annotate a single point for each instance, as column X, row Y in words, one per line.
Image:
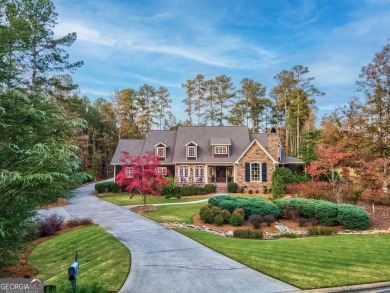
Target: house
column 212, row 154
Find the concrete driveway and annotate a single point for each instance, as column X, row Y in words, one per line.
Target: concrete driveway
column 163, row 260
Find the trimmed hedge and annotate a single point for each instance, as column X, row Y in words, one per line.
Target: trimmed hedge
column 250, row 206
column 327, row 213
column 108, row 186
column 232, row 187
column 353, row 217
column 196, row 190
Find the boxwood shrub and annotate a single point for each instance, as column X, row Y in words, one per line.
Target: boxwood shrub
column 108, row 186
column 250, row 206
column 353, row 217
column 232, row 187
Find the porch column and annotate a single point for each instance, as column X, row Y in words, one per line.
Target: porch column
column 206, row 174
column 235, row 173
column 114, row 172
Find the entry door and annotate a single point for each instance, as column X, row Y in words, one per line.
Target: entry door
column 220, row 173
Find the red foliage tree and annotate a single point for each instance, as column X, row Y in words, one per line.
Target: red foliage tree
column 328, row 159
column 140, row 174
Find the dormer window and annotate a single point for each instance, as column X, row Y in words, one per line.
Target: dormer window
column 161, row 150
column 191, row 150
column 220, row 150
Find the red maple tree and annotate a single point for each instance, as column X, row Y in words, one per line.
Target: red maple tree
column 140, row 174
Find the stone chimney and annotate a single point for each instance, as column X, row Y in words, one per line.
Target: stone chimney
column 273, row 143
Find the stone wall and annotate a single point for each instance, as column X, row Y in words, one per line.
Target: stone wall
column 254, row 155
column 272, row 145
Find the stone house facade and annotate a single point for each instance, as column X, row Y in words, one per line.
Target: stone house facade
column 208, row 154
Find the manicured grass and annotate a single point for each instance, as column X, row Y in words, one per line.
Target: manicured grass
column 307, row 263
column 102, row 258
column 175, row 213
column 123, row 199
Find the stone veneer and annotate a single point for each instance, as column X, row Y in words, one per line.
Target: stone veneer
column 254, row 155
column 272, row 145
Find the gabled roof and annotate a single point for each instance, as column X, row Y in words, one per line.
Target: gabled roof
column 259, row 144
column 202, row 135
column 160, row 143
column 191, row 142
column 220, row 141
column 237, row 137
column 133, row 146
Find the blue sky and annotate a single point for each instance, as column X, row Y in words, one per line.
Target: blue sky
column 126, row 44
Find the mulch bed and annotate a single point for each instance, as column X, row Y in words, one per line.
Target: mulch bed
column 141, row 209
column 380, row 219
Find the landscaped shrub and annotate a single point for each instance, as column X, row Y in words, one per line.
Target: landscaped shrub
column 100, row 187
column 247, row 234
column 219, row 220
column 285, row 235
column 250, row 206
column 353, row 217
column 236, row 220
column 239, row 211
column 326, row 213
column 170, row 190
column 322, row 231
column 196, row 190
column 313, row 231
column 242, row 189
column 250, row 191
column 87, row 178
column 207, row 217
column 269, row 219
column 256, row 220
column 232, row 187
column 215, row 210
column 349, row 194
column 108, row 186
column 302, row 222
column 314, row 190
column 278, row 187
column 226, row 215
column 209, row 188
column 49, row 224
column 79, row 222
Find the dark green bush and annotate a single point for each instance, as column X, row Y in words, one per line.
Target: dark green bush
column 101, row 187
column 226, row 215
column 256, row 220
column 204, row 208
column 232, row 187
column 353, row 217
column 285, row 235
column 215, row 200
column 170, row 190
column 196, row 190
column 209, row 188
column 236, row 220
column 87, row 178
column 250, row 191
column 112, row 186
column 207, row 217
column 326, row 213
column 248, row 234
column 278, row 187
column 242, row 189
column 219, row 220
column 215, row 210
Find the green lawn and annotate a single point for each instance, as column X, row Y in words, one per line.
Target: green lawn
column 123, row 199
column 102, row 258
column 307, row 263
column 175, row 213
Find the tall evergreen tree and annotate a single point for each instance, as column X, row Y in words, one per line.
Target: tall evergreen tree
column 189, row 86
column 224, row 95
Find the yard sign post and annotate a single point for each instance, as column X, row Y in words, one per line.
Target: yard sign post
column 73, row 271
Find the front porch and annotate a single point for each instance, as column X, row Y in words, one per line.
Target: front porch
column 204, row 174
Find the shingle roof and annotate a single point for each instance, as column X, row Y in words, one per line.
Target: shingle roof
column 133, row 146
column 238, row 137
column 220, row 141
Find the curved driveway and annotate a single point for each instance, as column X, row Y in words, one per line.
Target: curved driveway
column 163, row 260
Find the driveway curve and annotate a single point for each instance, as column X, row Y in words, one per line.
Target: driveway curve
column 163, row 260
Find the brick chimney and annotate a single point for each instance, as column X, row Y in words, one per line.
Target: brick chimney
column 273, row 143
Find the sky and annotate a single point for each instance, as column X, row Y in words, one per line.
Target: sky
column 125, row 44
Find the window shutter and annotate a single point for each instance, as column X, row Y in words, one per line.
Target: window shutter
column 247, row 172
column 264, row 172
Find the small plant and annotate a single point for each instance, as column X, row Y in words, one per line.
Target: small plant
column 250, row 191
column 256, row 191
column 219, row 220
column 256, row 220
column 265, row 189
column 239, row 211
column 302, row 222
column 79, row 222
column 232, row 187
column 327, row 231
column 285, row 235
column 226, row 215
column 49, row 224
column 236, row 220
column 248, row 234
column 242, row 189
column 215, row 210
column 269, row 219
column 313, row 231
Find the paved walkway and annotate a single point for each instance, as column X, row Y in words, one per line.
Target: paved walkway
column 163, row 260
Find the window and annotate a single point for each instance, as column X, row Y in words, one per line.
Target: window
column 184, row 171
column 211, row 171
column 230, row 171
column 191, row 151
column 129, row 172
column 199, row 171
column 160, row 152
column 220, row 150
column 162, row 170
column 255, row 172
